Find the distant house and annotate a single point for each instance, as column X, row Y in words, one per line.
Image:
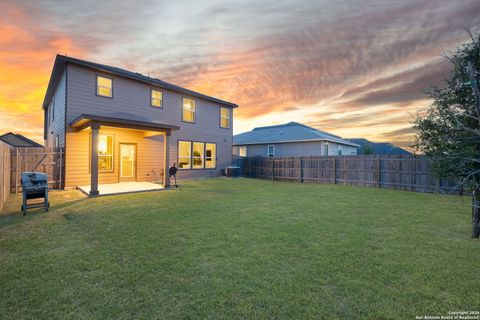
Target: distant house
column 17, row 140
column 290, row 140
column 378, row 147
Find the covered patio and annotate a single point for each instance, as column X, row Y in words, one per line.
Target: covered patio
column 123, row 187
column 93, row 123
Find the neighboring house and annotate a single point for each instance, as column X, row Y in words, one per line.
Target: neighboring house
column 378, row 147
column 116, row 125
column 290, row 140
column 17, row 140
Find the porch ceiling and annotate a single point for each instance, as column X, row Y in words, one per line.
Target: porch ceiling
column 126, row 121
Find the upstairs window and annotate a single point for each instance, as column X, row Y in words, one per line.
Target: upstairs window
column 188, row 110
column 271, row 150
column 224, row 118
column 156, row 99
column 325, row 148
column 104, row 86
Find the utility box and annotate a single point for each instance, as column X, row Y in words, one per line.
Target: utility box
column 233, row 171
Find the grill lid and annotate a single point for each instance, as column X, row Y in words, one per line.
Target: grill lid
column 33, row 179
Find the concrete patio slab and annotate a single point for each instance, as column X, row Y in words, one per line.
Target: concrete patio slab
column 123, row 187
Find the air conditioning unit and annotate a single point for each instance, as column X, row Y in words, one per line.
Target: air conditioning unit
column 233, row 171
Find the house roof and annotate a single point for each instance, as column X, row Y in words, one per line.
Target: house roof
column 17, row 140
column 120, row 119
column 61, row 61
column 378, row 147
column 288, row 132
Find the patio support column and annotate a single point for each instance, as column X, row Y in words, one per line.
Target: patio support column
column 94, row 161
column 166, row 159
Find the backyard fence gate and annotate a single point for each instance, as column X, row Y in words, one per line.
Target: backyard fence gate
column 46, row 160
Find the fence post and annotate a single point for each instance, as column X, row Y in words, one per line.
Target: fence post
column 378, row 171
column 334, row 170
column 16, row 170
column 412, row 165
column 359, row 171
column 301, row 170
column 273, row 168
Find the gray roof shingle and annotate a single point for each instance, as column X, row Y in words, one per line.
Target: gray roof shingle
column 61, row 60
column 288, row 132
column 17, row 140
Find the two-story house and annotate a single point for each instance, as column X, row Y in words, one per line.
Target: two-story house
column 117, row 126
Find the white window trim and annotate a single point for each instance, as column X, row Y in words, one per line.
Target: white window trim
column 108, row 155
column 110, row 88
column 193, row 110
column 326, row 148
column 212, row 158
column 222, row 117
column 202, row 157
column 240, row 153
column 152, row 98
column 190, row 157
column 268, row 150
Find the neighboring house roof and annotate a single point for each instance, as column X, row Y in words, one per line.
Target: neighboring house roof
column 288, row 132
column 61, row 61
column 17, row 140
column 378, row 147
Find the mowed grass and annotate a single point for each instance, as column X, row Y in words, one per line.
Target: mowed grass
column 241, row 248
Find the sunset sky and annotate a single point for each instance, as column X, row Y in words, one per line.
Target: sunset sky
column 354, row 68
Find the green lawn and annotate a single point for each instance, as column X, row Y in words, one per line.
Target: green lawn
column 241, row 248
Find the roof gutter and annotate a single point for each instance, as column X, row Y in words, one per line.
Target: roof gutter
column 296, row 141
column 127, row 74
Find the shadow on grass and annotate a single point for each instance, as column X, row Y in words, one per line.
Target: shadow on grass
column 12, row 213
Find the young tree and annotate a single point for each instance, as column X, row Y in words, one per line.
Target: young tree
column 368, row 149
column 449, row 132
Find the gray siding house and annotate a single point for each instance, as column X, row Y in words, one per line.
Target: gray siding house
column 290, row 140
column 118, row 126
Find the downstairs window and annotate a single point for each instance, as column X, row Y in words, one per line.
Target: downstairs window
column 105, row 152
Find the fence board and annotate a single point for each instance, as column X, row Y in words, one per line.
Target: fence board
column 400, row 172
column 46, row 160
column 4, row 173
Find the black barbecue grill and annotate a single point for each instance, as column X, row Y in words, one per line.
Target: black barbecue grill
column 172, row 171
column 34, row 186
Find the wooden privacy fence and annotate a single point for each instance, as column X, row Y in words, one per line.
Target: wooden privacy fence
column 4, row 173
column 384, row 171
column 49, row 161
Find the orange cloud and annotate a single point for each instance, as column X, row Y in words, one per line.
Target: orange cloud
column 26, row 59
column 355, row 70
